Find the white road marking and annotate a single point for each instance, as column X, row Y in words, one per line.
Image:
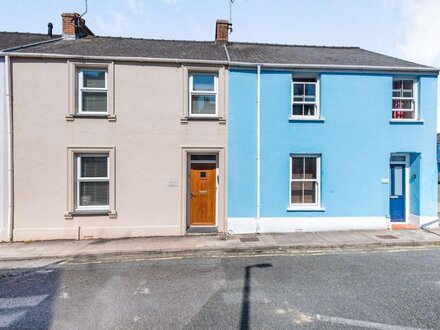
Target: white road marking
column 6, row 320
column 363, row 324
column 20, row 302
column 64, row 295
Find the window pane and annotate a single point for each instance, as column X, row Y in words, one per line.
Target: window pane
column 297, row 168
column 309, row 110
column 397, row 93
column 93, row 79
column 94, row 102
column 298, row 90
column 297, row 110
column 407, row 93
column 402, row 104
column 296, row 193
column 310, row 91
column 310, row 168
column 203, row 82
column 203, row 104
column 92, row 167
column 93, row 193
column 397, row 84
column 310, row 192
column 398, row 182
column 408, row 84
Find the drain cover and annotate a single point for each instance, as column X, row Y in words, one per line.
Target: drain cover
column 387, row 236
column 249, row 239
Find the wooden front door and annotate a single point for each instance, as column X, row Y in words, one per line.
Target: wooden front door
column 202, row 194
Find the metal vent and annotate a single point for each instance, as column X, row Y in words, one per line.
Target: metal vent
column 249, row 239
column 387, row 236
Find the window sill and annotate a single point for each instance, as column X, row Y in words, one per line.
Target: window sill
column 85, row 213
column 185, row 120
column 305, row 209
column 407, row 121
column 306, row 119
column 72, row 117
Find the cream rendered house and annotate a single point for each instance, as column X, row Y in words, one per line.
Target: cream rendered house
column 118, row 137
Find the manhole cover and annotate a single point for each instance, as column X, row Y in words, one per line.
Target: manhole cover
column 387, row 236
column 249, row 239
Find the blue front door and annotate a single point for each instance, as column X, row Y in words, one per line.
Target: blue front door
column 397, row 196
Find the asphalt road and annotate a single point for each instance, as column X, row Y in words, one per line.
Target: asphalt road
column 392, row 289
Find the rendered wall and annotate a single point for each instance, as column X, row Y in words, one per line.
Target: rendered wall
column 355, row 140
column 148, row 136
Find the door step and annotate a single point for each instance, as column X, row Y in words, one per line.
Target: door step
column 201, row 230
column 402, row 226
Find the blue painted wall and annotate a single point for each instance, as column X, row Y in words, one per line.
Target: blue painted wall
column 242, row 147
column 355, row 141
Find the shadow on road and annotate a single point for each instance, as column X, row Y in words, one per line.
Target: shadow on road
column 245, row 304
column 27, row 296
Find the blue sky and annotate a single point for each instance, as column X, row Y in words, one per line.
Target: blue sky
column 386, row 26
column 406, row 29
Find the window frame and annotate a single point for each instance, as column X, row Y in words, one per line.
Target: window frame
column 306, row 206
column 191, row 92
column 82, row 89
column 317, row 96
column 413, row 99
column 79, row 179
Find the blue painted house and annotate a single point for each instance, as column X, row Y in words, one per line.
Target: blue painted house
column 329, row 138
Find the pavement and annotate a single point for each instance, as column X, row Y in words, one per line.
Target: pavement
column 217, row 243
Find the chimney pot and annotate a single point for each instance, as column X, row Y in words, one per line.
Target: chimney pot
column 222, row 31
column 49, row 29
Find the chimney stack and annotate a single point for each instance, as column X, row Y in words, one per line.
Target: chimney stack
column 222, row 27
column 74, row 27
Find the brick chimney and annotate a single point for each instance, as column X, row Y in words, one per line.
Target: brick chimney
column 74, row 27
column 222, row 31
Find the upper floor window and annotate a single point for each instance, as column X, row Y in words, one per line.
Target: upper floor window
column 404, row 99
column 305, row 180
column 305, row 98
column 203, row 95
column 92, row 91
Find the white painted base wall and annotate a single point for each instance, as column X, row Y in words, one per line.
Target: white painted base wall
column 288, row 225
column 423, row 221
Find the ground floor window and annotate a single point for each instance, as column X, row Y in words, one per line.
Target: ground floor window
column 305, row 180
column 92, row 181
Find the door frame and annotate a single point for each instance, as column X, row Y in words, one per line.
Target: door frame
column 188, row 184
column 407, row 187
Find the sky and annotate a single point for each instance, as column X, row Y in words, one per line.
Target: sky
column 408, row 29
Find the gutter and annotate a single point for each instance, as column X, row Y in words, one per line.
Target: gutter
column 231, row 63
column 9, row 122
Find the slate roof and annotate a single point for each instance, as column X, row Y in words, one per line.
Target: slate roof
column 15, row 39
column 209, row 50
column 293, row 54
column 131, row 47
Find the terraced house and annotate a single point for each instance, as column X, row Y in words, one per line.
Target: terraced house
column 119, row 137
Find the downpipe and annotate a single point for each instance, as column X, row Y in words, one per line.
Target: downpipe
column 258, row 145
column 9, row 123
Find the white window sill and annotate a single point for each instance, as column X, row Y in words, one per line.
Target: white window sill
column 305, row 209
column 406, row 121
column 306, row 119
